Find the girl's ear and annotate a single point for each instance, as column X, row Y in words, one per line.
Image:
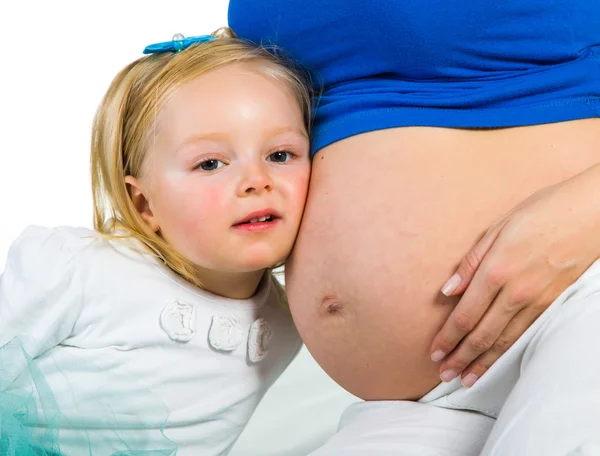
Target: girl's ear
column 140, row 201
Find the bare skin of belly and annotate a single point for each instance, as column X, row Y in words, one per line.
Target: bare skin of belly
column 389, row 216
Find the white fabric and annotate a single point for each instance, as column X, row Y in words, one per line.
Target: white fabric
column 544, row 392
column 109, row 325
column 393, row 428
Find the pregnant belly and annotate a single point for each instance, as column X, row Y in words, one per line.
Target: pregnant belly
column 389, row 216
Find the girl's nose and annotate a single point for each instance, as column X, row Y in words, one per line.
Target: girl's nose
column 256, row 180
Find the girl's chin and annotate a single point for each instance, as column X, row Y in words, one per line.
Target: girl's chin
column 260, row 259
column 259, row 264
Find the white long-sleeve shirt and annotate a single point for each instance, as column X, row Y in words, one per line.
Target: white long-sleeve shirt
column 135, row 356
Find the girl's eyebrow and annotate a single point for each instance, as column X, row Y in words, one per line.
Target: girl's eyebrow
column 222, row 136
column 287, row 129
column 209, row 137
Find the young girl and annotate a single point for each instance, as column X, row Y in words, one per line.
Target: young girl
column 159, row 332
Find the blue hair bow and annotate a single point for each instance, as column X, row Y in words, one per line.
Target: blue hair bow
column 178, row 43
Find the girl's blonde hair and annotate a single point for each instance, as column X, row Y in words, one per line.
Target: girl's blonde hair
column 125, row 120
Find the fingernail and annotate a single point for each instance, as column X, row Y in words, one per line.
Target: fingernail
column 451, row 284
column 448, row 375
column 437, row 355
column 469, row 380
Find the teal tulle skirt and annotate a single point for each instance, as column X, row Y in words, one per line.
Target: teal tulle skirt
column 19, row 408
column 32, row 423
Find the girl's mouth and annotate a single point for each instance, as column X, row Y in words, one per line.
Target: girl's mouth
column 262, row 222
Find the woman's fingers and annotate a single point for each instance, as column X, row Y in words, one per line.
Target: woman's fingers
column 503, row 323
column 517, row 326
column 461, row 279
column 478, row 297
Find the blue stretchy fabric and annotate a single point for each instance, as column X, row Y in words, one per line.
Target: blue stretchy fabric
column 391, row 63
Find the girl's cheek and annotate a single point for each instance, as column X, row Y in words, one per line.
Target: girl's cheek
column 301, row 183
column 211, row 194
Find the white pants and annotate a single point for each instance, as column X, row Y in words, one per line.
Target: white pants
column 403, row 428
column 541, row 398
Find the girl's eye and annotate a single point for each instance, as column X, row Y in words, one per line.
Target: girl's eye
column 280, row 156
column 211, row 165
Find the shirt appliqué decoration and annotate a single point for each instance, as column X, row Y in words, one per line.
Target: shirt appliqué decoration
column 258, row 340
column 225, row 333
column 178, row 320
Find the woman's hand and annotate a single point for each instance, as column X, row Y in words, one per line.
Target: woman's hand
column 521, row 265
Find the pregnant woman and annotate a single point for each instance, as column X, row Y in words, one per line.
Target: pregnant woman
column 436, row 121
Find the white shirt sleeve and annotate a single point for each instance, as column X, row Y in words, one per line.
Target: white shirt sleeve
column 40, row 294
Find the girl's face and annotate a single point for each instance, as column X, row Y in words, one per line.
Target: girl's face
column 226, row 175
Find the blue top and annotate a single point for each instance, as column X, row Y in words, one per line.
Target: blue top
column 477, row 64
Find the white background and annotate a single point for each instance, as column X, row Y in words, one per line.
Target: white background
column 58, row 57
